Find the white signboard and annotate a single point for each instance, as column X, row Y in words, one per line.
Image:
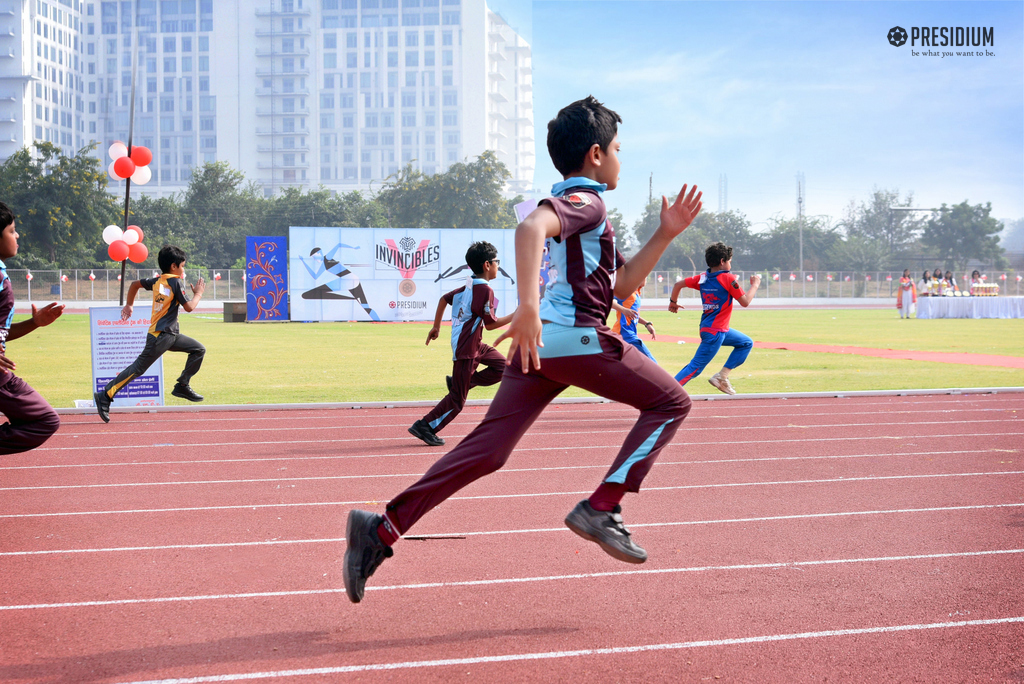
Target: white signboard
column 387, row 274
column 115, row 346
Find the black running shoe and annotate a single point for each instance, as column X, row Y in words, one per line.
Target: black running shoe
column 421, row 430
column 448, row 381
column 607, row 529
column 102, row 405
column 186, row 392
column 365, row 551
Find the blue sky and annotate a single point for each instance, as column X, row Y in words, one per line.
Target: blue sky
column 760, row 91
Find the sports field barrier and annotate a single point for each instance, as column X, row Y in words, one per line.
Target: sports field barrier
column 76, row 284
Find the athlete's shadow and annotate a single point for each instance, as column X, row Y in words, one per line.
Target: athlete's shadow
column 256, row 653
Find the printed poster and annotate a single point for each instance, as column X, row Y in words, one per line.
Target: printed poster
column 115, row 346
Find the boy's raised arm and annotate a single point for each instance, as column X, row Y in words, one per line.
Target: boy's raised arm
column 40, row 318
column 675, row 218
column 129, row 300
column 525, row 328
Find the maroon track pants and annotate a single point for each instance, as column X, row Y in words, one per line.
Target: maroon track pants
column 620, row 372
column 31, row 418
column 464, row 379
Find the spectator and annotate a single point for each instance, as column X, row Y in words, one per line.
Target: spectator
column 906, row 296
column 924, row 286
column 975, row 280
column 951, row 285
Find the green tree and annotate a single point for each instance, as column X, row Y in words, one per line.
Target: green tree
column 963, row 232
column 875, row 221
column 779, row 247
column 61, row 204
column 163, row 222
column 467, row 195
column 687, row 251
column 857, row 253
column 220, row 210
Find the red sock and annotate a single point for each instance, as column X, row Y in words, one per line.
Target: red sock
column 607, row 496
column 385, row 534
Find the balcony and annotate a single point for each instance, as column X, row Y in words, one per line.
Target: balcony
column 275, row 165
column 271, row 92
column 496, row 76
column 497, row 96
column 278, row 132
column 281, row 13
column 263, row 33
column 262, row 111
column 264, row 72
column 264, row 149
column 273, row 52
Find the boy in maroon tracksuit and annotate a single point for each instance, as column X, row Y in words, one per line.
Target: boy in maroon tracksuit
column 578, row 349
column 473, row 307
column 31, row 419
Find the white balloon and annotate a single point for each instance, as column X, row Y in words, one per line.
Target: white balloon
column 130, row 237
column 112, row 233
column 110, row 172
column 142, row 175
column 117, row 150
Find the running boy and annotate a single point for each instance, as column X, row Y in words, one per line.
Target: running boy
column 717, row 288
column 577, row 349
column 473, row 306
column 31, row 419
column 628, row 311
column 168, row 295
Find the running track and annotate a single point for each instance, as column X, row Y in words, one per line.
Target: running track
column 860, row 539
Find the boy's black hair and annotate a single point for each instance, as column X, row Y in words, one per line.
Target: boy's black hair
column 717, row 253
column 6, row 216
column 478, row 254
column 576, row 129
column 170, row 255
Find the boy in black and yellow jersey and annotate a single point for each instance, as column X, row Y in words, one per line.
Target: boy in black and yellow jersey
column 168, row 295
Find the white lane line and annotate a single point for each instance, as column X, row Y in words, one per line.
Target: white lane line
column 386, row 476
column 622, row 415
column 686, row 428
column 551, row 655
column 364, row 502
column 434, row 454
column 489, row 533
column 280, row 443
column 518, row 580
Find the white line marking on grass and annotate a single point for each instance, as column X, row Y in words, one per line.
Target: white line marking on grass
column 518, row 580
column 551, row 655
column 487, row 533
column 859, row 438
column 364, row 502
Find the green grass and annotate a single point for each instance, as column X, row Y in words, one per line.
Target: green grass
column 305, row 362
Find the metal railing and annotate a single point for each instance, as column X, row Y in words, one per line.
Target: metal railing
column 103, row 284
column 811, row 284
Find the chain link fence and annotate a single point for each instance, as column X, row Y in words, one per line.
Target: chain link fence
column 104, row 284
column 811, row 284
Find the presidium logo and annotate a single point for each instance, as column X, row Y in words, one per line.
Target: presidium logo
column 945, row 36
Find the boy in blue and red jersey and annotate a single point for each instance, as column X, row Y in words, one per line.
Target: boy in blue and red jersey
column 628, row 311
column 718, row 287
column 566, row 331
column 473, row 308
column 30, row 418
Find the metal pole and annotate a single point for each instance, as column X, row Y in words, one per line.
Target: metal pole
column 131, row 130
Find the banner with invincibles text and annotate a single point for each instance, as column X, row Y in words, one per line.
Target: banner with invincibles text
column 387, row 274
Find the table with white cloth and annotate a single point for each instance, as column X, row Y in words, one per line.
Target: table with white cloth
column 970, row 307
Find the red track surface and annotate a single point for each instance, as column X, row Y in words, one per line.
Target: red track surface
column 867, row 539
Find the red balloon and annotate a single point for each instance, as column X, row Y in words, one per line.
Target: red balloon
column 141, row 156
column 118, row 249
column 124, row 167
column 137, row 230
column 138, row 252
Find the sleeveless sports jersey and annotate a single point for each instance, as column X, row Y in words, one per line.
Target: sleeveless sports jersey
column 717, row 290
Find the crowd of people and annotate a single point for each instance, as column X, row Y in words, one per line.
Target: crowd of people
column 936, row 284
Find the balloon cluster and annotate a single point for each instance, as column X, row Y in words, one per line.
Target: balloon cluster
column 125, row 245
column 134, row 166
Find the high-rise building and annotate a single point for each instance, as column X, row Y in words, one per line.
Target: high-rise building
column 340, row 93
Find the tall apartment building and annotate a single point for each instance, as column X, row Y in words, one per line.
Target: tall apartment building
column 340, row 93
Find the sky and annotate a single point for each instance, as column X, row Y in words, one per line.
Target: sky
column 763, row 91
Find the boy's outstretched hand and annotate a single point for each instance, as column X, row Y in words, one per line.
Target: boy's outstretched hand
column 677, row 217
column 525, row 332
column 47, row 315
column 199, row 287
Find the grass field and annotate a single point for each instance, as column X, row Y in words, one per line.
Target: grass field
column 331, row 362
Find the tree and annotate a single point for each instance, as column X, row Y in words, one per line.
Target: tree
column 220, row 209
column 780, row 246
column 467, row 195
column 61, row 204
column 163, row 221
column 857, row 253
column 876, row 222
column 962, row 232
